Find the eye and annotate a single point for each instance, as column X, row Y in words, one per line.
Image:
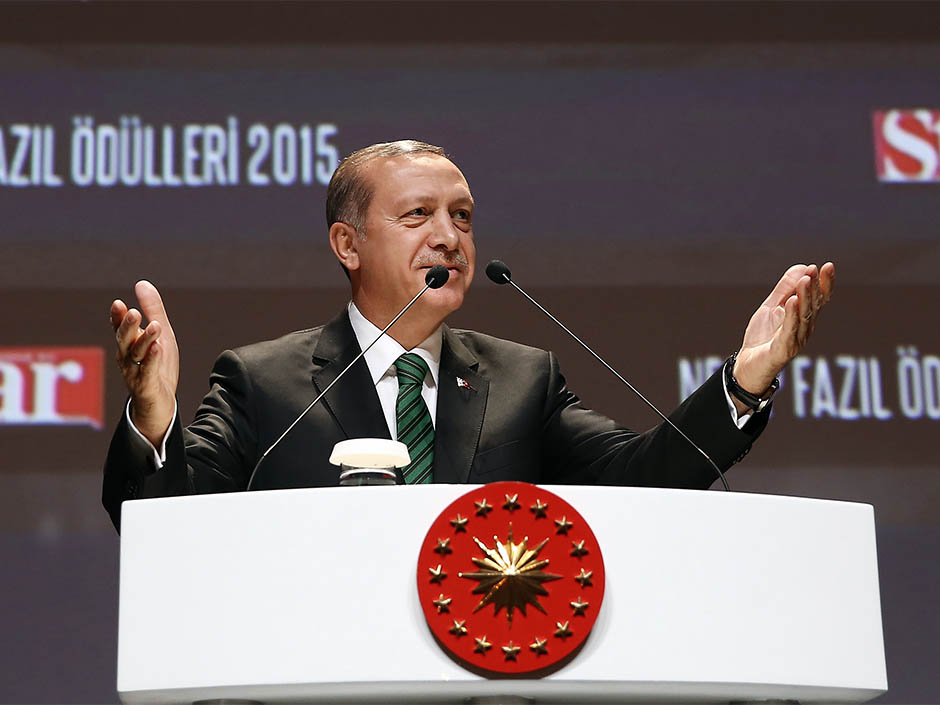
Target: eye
column 417, row 212
column 462, row 214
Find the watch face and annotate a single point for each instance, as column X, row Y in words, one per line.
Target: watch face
column 511, row 579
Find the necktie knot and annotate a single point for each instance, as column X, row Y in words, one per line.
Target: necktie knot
column 411, row 368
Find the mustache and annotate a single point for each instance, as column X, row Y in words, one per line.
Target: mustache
column 457, row 260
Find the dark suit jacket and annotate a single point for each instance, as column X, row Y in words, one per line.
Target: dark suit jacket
column 518, row 421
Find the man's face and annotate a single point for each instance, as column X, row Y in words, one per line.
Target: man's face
column 420, row 215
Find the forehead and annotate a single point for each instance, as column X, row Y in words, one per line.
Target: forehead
column 425, row 175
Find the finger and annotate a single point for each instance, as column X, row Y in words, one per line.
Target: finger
column 151, row 302
column 151, row 358
column 128, row 331
column 138, row 351
column 816, row 298
column 805, row 310
column 790, row 328
column 827, row 280
column 786, row 287
column 118, row 311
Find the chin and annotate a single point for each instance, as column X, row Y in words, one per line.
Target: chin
column 445, row 300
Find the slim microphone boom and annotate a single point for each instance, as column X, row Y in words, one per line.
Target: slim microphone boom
column 436, row 277
column 499, row 273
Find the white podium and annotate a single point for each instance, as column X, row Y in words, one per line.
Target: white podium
column 309, row 596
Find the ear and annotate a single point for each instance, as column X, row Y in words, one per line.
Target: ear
column 345, row 243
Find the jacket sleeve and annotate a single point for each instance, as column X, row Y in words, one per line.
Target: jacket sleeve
column 215, row 453
column 584, row 447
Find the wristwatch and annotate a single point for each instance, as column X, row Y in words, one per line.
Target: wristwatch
column 757, row 403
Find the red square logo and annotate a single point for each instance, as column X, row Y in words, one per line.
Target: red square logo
column 52, row 386
column 907, row 145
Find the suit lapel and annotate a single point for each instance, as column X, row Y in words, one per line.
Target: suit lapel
column 460, row 408
column 353, row 402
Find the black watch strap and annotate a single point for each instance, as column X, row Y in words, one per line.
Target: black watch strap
column 752, row 401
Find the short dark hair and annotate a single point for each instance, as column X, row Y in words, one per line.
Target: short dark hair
column 349, row 194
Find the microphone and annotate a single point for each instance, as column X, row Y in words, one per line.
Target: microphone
column 436, row 277
column 499, row 273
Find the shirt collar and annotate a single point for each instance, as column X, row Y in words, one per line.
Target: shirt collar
column 381, row 357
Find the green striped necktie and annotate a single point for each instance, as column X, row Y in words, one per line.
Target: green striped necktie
column 415, row 429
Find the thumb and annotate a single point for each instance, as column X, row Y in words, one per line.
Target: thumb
column 151, row 303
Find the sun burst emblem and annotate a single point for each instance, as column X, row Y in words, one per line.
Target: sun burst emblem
column 510, row 575
column 506, row 605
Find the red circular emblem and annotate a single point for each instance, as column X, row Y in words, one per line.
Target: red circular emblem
column 510, row 578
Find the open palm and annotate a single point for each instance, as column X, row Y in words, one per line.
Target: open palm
column 783, row 324
column 148, row 359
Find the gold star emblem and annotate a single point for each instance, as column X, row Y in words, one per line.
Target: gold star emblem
column 483, row 508
column 579, row 607
column 511, row 504
column 459, row 524
column 482, row 645
column 443, row 547
column 578, row 548
column 538, row 509
column 562, row 631
column 510, row 576
column 563, row 525
column 511, row 651
column 442, row 603
column 459, row 629
column 584, row 577
column 437, row 574
column 539, row 646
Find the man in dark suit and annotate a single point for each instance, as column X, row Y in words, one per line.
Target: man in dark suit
column 483, row 409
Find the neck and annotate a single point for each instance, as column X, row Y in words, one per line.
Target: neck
column 410, row 330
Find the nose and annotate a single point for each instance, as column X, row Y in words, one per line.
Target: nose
column 444, row 234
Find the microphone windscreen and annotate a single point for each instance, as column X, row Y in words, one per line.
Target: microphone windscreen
column 437, row 276
column 498, row 271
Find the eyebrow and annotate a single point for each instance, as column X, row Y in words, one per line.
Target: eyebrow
column 424, row 198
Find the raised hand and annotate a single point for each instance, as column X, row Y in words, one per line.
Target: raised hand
column 783, row 324
column 148, row 359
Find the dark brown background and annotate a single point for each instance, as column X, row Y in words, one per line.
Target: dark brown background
column 648, row 170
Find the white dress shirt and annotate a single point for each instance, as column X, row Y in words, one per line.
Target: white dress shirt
column 381, row 363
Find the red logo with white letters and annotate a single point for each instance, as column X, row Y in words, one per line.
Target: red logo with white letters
column 907, row 145
column 52, row 386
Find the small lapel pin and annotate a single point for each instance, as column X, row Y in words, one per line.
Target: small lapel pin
column 464, row 384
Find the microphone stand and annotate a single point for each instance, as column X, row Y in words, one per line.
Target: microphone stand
column 499, row 273
column 436, row 277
